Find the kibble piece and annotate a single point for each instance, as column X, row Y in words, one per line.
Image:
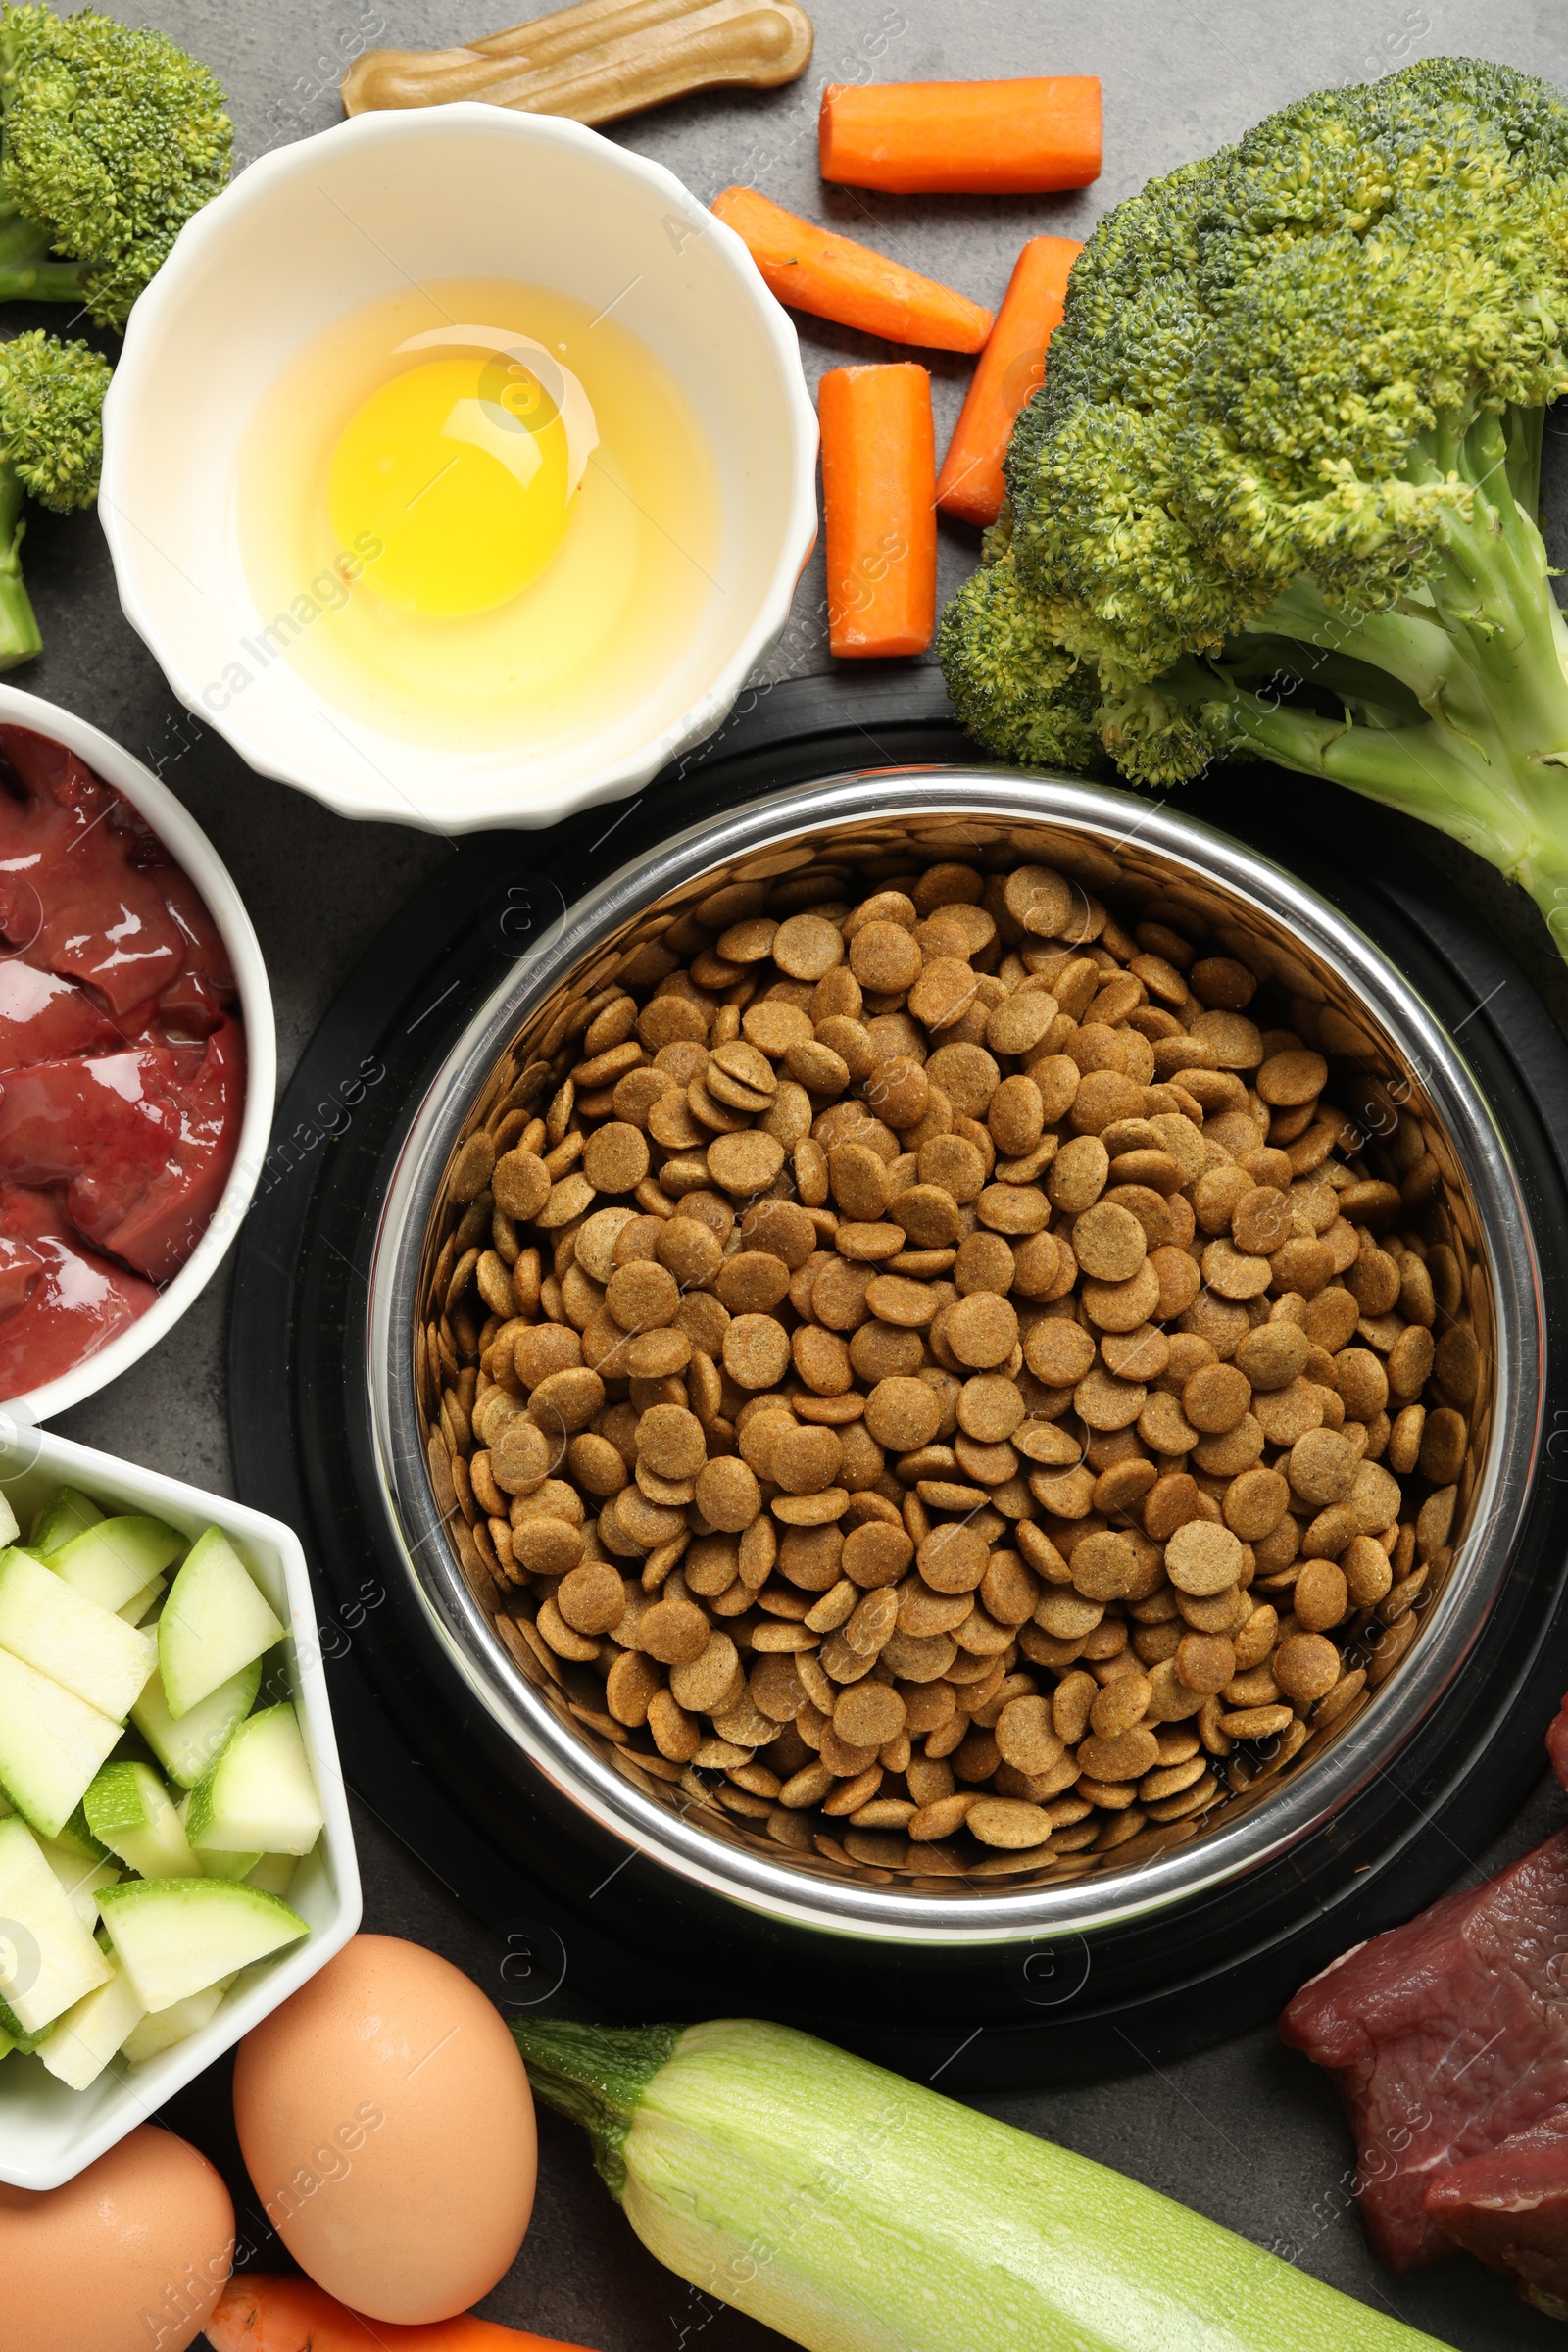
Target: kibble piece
column 522, row 1457
column 807, row 947
column 882, row 1350
column 884, row 957
column 1106, row 1566
column 876, row 1553
column 1120, row 1705
column 1293, row 1077
column 868, row 1714
column 745, row 1163
column 1007, row 1823
column 615, row 1157
column 1026, row 1736
column 674, row 1630
column 1321, row 1596
column 953, row 1163
column 1019, row 1022
column 1125, row 1757
column 756, row 1349
column 1306, row 1667
column 902, row 1414
column 806, row 1461
column 689, row 1250
column 1206, row 1662
column 1445, row 1440
column 1040, row 900
column 520, row 1183
column 1256, row 1501
column 1322, row 1466
column 928, row 1213
column 671, row 1441
column 1216, row 1398
column 1367, row 1572
column 1078, row 1174
column 989, row 1408
column 1059, row 1353
column 953, row 1558
column 1203, row 1558
column 1108, row 1242
column 642, row 1296
column 982, row 1330
column 727, row 1494
column 546, row 1546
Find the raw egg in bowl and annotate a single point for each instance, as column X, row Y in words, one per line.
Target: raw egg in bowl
column 458, row 468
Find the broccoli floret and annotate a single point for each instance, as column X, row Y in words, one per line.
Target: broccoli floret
column 1277, row 496
column 110, row 138
column 51, row 446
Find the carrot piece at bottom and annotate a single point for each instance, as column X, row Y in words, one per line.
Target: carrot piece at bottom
column 879, row 500
column 833, row 277
column 286, row 2314
column 1010, row 366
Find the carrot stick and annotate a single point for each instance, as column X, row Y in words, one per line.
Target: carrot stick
column 878, row 494
column 1011, row 364
column 833, row 278
column 963, row 139
column 291, row 2315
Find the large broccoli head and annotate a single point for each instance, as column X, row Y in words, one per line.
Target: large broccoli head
column 1290, row 430
column 110, row 138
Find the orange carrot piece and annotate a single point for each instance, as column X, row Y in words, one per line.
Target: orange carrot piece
column 1011, row 364
column 833, row 278
column 291, row 2315
column 963, row 139
column 878, row 496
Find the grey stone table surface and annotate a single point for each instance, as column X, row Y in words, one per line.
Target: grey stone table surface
column 1247, row 2133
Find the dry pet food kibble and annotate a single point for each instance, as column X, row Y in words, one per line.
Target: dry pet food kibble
column 927, row 1362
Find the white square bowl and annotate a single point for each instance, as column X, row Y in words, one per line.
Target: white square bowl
column 48, row 2134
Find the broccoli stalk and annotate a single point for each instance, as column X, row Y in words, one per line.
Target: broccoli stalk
column 1278, row 494
column 110, row 138
column 51, row 448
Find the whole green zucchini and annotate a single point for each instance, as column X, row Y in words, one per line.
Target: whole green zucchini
column 856, row 2212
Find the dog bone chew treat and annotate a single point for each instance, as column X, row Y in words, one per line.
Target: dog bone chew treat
column 596, row 61
column 920, row 1357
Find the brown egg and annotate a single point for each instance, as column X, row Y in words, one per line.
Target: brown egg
column 132, row 2253
column 387, row 2124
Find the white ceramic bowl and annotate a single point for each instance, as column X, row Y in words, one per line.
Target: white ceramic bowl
column 47, row 2132
column 315, row 229
column 190, row 849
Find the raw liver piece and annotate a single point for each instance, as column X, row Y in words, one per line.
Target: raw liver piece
column 1510, row 2207
column 1446, row 2038
column 141, row 1141
column 70, row 896
column 76, row 1304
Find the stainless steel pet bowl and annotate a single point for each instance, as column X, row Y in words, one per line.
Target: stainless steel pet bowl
column 1384, row 1039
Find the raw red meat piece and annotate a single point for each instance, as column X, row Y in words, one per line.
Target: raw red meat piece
column 77, row 1304
column 1446, row 2038
column 69, row 899
column 44, row 1017
column 1557, row 1743
column 1510, row 2208
column 143, row 1141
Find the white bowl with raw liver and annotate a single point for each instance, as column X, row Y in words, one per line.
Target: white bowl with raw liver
column 176, row 1852
column 137, row 1059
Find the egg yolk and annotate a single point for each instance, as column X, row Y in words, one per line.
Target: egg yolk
column 461, row 468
